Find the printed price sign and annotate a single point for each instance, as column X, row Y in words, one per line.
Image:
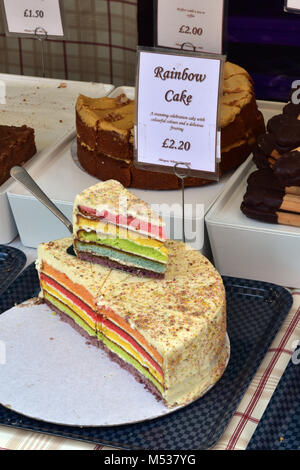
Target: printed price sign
column 292, row 6
column 191, row 25
column 29, row 16
column 177, row 122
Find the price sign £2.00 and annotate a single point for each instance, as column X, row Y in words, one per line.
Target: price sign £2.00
column 26, row 16
column 191, row 25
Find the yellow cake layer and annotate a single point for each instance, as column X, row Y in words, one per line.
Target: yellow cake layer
column 120, row 232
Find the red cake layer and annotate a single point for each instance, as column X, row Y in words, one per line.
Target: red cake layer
column 127, row 221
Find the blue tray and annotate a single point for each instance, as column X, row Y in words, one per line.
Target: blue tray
column 256, row 311
column 279, row 428
column 12, row 261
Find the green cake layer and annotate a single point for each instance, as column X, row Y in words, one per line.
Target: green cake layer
column 122, row 244
column 120, row 257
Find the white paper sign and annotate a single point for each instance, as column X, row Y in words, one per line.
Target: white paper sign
column 191, row 24
column 177, row 110
column 293, row 5
column 25, row 16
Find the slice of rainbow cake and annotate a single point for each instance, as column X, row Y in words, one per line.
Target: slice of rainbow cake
column 113, row 227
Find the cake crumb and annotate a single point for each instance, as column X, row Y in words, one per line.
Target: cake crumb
column 62, row 85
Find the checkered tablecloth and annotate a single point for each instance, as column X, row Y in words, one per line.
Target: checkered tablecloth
column 99, row 45
column 240, row 429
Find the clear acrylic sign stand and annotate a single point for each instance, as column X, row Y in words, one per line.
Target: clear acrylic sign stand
column 41, row 35
column 182, row 176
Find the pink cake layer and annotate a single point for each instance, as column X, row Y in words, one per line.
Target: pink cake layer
column 129, row 222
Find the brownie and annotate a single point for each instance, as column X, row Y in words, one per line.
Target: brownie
column 17, row 146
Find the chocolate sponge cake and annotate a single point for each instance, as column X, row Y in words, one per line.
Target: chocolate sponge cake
column 17, row 146
column 105, row 134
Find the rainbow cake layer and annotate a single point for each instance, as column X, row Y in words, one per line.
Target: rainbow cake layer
column 170, row 333
column 113, row 227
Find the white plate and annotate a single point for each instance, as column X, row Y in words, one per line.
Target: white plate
column 49, row 372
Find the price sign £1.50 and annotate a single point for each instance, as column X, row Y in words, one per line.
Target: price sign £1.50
column 26, row 16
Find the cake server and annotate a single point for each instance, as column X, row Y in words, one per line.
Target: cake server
column 22, row 176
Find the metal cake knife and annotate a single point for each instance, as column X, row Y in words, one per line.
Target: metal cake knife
column 22, row 176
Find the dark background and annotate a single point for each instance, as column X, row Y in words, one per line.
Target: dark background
column 261, row 37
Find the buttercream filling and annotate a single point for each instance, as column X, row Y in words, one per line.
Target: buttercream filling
column 103, row 328
column 123, row 244
column 130, row 222
column 120, row 256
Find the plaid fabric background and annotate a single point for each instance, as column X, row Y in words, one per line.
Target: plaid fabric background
column 99, row 45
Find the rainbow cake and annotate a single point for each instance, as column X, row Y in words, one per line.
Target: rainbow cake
column 169, row 333
column 113, row 227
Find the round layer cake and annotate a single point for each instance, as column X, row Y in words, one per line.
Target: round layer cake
column 170, row 334
column 105, row 134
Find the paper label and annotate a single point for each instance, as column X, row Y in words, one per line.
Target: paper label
column 196, row 25
column 25, row 16
column 177, row 117
column 293, row 5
